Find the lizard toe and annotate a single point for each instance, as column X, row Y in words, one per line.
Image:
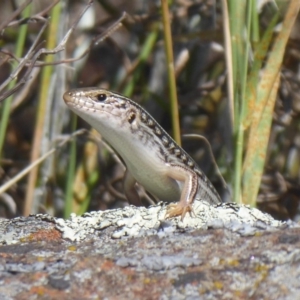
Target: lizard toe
column 175, row 210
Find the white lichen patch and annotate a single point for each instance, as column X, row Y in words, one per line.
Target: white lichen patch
column 135, row 221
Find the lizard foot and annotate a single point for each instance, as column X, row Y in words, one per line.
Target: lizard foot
column 174, row 210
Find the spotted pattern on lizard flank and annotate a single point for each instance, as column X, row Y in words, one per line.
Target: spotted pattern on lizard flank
column 167, row 141
column 171, row 146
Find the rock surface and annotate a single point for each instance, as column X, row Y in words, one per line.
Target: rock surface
column 223, row 252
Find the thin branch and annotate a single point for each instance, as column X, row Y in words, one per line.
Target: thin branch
column 36, row 17
column 30, row 54
column 99, row 38
column 95, row 41
column 20, row 67
column 14, row 14
column 212, row 157
column 24, row 172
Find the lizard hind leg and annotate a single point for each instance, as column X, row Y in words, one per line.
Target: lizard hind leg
column 189, row 179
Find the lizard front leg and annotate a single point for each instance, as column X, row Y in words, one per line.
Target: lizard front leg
column 189, row 179
column 129, row 189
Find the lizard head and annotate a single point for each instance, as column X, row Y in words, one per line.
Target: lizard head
column 102, row 108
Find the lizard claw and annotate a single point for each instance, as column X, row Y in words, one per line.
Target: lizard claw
column 174, row 210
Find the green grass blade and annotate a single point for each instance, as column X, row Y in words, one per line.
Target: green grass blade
column 143, row 56
column 253, row 77
column 68, row 209
column 238, row 23
column 5, row 112
column 42, row 108
column 262, row 117
column 171, row 72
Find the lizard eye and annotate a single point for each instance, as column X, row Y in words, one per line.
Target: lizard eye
column 101, row 97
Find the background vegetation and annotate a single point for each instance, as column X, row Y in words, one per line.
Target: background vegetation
column 235, row 81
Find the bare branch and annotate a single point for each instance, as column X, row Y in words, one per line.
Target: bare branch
column 96, row 40
column 14, row 14
column 31, row 57
column 20, row 175
column 100, row 38
column 22, row 63
column 36, row 17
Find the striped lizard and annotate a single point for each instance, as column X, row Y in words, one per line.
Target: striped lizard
column 152, row 157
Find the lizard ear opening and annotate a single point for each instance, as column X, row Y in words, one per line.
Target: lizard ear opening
column 131, row 117
column 101, row 97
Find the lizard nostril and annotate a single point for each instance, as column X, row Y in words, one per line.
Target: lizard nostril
column 68, row 96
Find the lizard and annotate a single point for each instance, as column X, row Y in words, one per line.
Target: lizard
column 152, row 158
